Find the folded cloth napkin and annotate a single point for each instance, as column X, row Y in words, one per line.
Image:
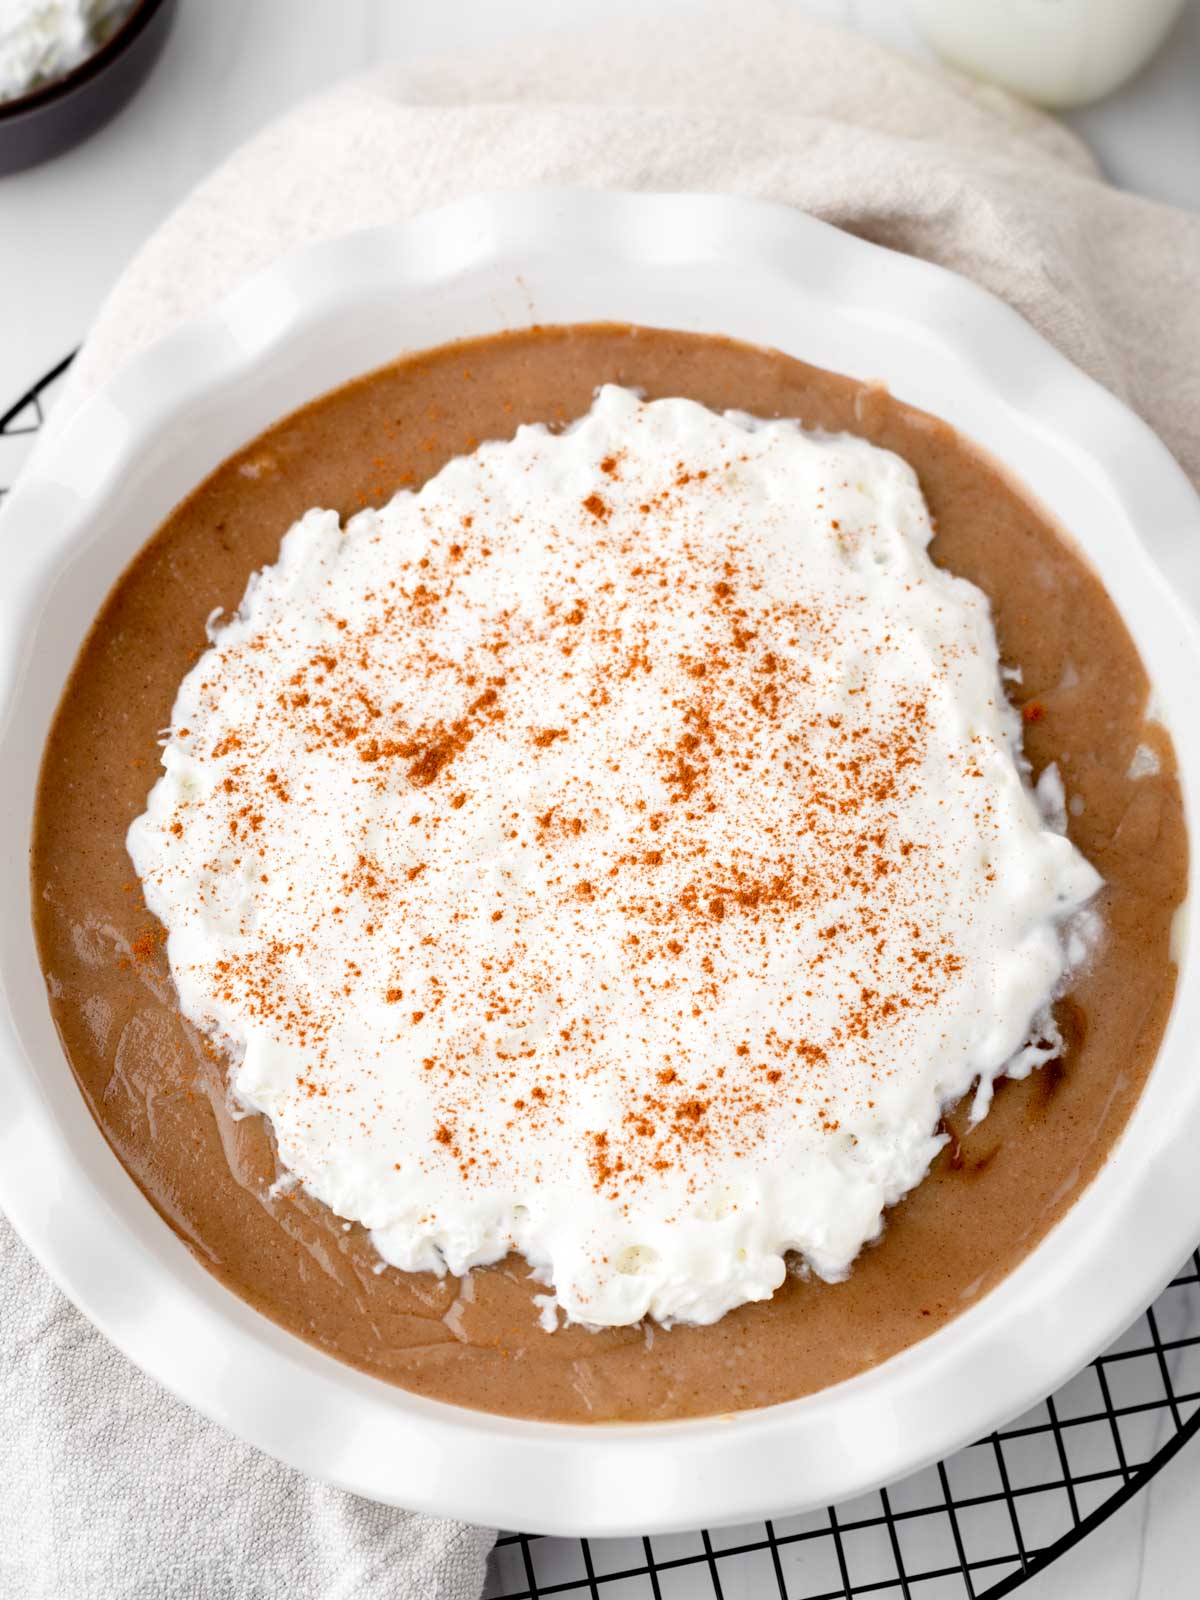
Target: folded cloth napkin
column 110, row 1489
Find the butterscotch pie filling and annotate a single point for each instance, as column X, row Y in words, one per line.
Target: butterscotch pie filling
column 653, row 918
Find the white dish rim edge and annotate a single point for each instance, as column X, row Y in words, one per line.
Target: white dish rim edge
column 134, row 1279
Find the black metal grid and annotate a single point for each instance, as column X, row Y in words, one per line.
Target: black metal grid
column 976, row 1525
column 28, row 414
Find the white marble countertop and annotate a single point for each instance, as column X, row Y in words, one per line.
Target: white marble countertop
column 231, row 65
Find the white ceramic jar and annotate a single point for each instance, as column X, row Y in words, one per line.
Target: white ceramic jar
column 1057, row 52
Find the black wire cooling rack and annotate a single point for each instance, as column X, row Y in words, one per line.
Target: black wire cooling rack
column 976, row 1525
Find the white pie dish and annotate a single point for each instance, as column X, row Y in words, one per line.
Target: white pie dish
column 99, row 486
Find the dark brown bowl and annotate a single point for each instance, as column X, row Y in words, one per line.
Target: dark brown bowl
column 59, row 114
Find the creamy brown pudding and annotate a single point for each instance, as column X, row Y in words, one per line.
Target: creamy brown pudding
column 158, row 1089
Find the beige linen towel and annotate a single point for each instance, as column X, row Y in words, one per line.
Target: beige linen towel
column 109, row 1489
column 755, row 101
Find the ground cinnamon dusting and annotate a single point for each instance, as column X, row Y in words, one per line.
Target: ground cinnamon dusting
column 749, row 809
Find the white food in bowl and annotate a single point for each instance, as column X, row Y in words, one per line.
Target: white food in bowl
column 41, row 40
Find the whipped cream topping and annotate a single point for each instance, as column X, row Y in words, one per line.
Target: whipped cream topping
column 41, row 40
column 619, row 852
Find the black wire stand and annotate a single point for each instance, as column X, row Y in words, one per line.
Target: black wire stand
column 976, row 1525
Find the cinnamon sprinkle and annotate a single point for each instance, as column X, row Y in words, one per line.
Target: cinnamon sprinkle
column 753, row 822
